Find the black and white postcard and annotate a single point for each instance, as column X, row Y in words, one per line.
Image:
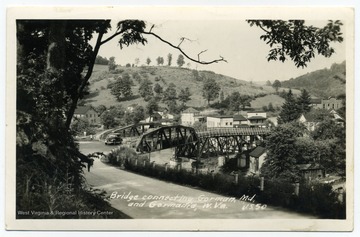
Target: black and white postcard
column 180, row 118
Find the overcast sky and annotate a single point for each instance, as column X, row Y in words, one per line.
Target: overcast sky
column 235, row 40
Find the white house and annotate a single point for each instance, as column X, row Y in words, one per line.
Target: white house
column 87, row 113
column 257, row 158
column 189, row 116
column 220, row 121
column 256, row 119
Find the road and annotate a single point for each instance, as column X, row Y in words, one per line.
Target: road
column 139, row 196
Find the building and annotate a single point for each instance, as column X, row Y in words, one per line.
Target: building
column 240, row 121
column 328, row 104
column 189, row 116
column 256, row 119
column 311, row 171
column 220, row 121
column 309, row 120
column 87, row 113
column 331, row 103
column 257, row 158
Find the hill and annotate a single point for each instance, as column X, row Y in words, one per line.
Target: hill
column 321, row 83
column 164, row 75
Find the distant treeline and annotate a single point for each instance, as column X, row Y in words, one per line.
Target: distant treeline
column 102, row 61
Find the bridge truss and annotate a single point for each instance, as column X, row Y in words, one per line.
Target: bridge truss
column 199, row 144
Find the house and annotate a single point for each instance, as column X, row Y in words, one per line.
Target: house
column 309, row 120
column 240, row 121
column 159, row 117
column 337, row 118
column 331, row 103
column 220, row 121
column 256, row 119
column 189, row 116
column 311, row 171
column 257, row 158
column 87, row 113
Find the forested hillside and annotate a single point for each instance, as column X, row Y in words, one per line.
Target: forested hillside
column 100, row 93
column 321, row 83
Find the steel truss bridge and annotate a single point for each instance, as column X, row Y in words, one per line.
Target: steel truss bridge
column 196, row 144
column 135, row 130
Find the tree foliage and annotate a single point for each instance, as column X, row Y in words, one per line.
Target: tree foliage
column 180, row 60
column 211, row 89
column 184, row 95
column 145, row 89
column 160, row 61
column 121, row 88
column 280, row 161
column 169, row 59
column 148, row 61
column 101, row 61
column 112, row 64
column 289, row 110
column 298, row 41
column 276, row 85
column 152, row 106
column 304, row 102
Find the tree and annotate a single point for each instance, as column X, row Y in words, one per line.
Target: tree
column 121, row 88
column 100, row 109
column 101, row 61
column 276, row 85
column 113, row 117
column 304, row 102
column 271, row 107
column 158, row 89
column 160, row 61
column 170, row 94
column 180, row 61
column 135, row 116
column 112, row 64
column 152, row 106
column 148, row 61
column 169, row 59
column 268, row 83
column 184, row 95
column 222, row 96
column 145, row 89
column 80, row 126
column 245, row 101
column 234, row 99
column 298, row 41
column 210, row 89
column 289, row 110
column 280, row 161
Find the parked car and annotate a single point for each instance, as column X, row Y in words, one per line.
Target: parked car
column 113, row 139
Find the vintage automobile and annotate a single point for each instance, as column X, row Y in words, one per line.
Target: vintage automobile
column 113, row 139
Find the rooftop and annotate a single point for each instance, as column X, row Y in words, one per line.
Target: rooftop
column 256, row 117
column 82, row 109
column 257, row 152
column 239, row 117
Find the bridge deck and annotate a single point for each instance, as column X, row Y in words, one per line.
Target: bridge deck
column 216, row 132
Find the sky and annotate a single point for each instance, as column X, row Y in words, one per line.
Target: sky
column 234, row 40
